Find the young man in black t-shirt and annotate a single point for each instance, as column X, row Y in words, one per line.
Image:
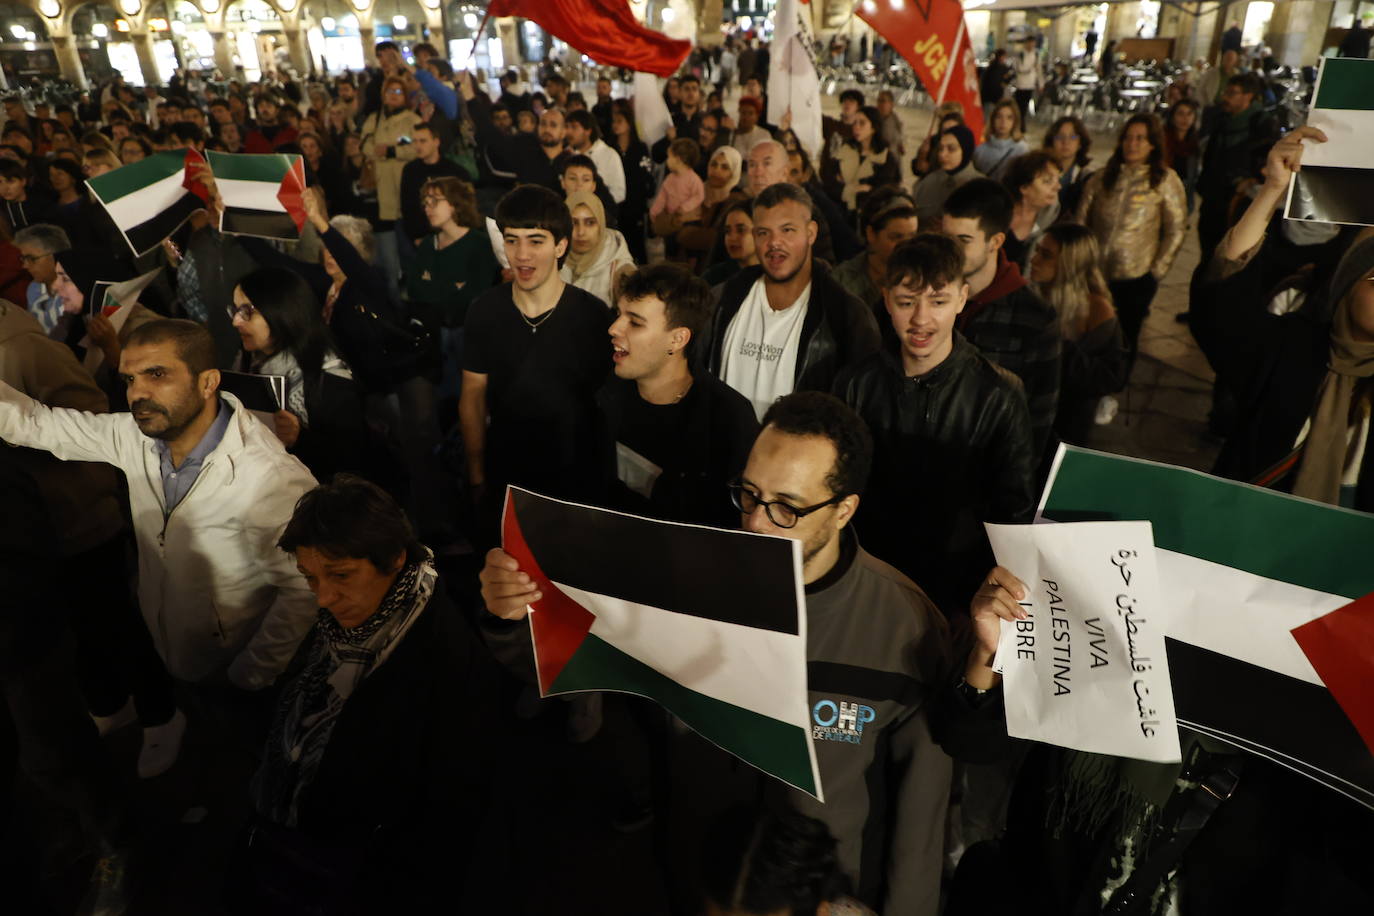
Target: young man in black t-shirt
column 679, row 436
column 534, row 356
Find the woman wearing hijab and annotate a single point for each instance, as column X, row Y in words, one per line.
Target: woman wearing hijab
column 83, row 327
column 954, row 151
column 596, row 255
column 697, row 238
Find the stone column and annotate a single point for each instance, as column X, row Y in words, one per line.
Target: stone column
column 708, row 24
column 68, row 61
column 147, row 63
column 510, row 41
column 437, row 36
column 298, row 50
column 368, row 36
column 224, row 52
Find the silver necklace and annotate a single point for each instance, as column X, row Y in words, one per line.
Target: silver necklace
column 534, row 325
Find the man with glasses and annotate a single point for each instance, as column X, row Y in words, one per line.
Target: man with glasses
column 37, row 246
column 877, row 651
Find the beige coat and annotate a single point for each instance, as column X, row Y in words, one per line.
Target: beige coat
column 389, row 130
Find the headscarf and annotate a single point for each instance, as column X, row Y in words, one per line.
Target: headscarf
column 337, row 661
column 579, row 264
column 89, row 266
column 736, row 161
column 967, row 144
column 1324, row 453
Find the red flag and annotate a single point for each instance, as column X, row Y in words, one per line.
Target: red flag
column 924, row 32
column 604, row 30
column 1340, row 646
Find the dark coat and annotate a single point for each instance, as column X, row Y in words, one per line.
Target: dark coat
column 952, row 450
column 838, row 330
column 399, row 789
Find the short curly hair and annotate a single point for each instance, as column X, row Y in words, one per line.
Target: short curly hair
column 815, row 413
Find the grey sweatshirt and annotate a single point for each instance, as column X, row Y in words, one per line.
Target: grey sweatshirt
column 878, row 656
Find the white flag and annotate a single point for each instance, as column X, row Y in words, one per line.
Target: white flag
column 651, row 112
column 792, row 81
column 1086, row 668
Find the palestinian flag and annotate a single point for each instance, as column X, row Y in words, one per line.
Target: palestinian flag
column 1242, row 567
column 710, row 624
column 1336, row 183
column 149, row 200
column 261, row 193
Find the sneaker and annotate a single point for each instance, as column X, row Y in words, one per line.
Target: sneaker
column 584, row 717
column 107, row 894
column 108, row 725
column 1106, row 410
column 161, row 745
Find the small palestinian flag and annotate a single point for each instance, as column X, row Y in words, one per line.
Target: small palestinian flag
column 261, row 193
column 1336, row 183
column 710, row 624
column 150, row 199
column 1242, row 568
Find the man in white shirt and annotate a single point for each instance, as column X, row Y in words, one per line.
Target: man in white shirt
column 581, row 134
column 785, row 325
column 210, row 488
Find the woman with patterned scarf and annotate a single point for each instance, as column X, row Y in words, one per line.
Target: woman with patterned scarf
column 365, row 776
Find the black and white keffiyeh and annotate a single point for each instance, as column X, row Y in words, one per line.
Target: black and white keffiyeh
column 337, row 661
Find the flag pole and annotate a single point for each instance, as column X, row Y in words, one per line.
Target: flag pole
column 477, row 36
column 944, row 83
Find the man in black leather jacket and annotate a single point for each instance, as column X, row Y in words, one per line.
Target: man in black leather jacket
column 835, row 329
column 952, row 434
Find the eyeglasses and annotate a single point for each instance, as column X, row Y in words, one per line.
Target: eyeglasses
column 246, row 312
column 432, row 201
column 34, row 258
column 779, row 513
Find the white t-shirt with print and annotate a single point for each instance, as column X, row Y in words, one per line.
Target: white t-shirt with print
column 759, row 355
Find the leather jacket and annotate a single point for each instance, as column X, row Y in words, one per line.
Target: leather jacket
column 952, row 450
column 838, row 329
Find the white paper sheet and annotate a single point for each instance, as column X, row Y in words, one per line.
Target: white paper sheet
column 1087, row 669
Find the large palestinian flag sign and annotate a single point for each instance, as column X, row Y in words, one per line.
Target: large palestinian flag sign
column 150, row 199
column 1336, row 183
column 261, row 193
column 710, row 624
column 1242, row 568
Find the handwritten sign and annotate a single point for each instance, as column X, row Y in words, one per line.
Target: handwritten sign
column 1086, row 668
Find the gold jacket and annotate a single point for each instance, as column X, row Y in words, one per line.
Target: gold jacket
column 1140, row 228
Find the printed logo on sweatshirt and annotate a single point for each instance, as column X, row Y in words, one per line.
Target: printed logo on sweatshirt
column 763, row 352
column 840, row 721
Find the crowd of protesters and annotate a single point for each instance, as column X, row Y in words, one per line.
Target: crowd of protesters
column 506, row 284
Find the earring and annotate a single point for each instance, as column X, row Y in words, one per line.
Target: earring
column 670, row 352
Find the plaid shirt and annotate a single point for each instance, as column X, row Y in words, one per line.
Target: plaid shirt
column 1020, row 332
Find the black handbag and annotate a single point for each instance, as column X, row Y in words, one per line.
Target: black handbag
column 396, row 351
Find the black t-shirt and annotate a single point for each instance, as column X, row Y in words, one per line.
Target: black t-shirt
column 541, row 389
column 697, row 446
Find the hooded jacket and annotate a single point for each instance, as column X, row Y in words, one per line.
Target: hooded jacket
column 952, row 450
column 838, row 329
column 220, row 599
column 80, row 497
